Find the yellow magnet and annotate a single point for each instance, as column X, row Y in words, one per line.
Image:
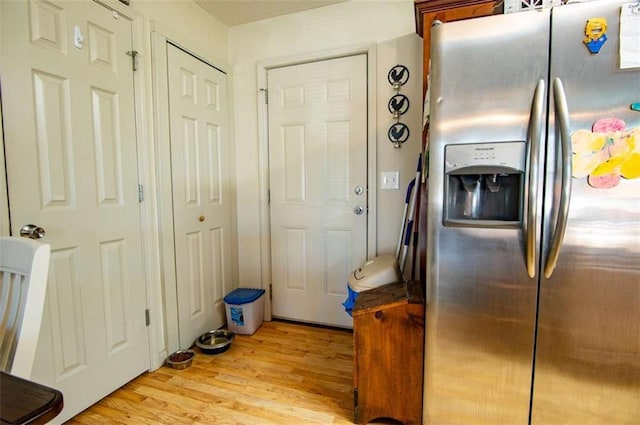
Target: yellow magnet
column 595, row 34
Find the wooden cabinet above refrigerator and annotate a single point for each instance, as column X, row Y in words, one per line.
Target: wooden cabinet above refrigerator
column 426, row 11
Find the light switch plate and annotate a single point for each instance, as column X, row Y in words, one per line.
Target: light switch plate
column 390, row 180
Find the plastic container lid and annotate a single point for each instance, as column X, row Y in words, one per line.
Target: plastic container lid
column 380, row 271
column 243, row 296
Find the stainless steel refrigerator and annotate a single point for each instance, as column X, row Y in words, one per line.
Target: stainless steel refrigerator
column 533, row 252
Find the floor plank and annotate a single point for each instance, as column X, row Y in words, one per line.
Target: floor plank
column 285, row 373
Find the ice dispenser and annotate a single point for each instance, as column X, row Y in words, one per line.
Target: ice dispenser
column 484, row 184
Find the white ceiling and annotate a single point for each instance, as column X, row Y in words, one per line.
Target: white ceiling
column 236, row 12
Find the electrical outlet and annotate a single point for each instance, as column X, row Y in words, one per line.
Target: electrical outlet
column 390, row 180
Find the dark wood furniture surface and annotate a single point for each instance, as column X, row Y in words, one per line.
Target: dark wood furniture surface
column 27, row 402
column 388, row 332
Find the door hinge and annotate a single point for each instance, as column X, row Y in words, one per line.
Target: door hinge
column 133, row 54
column 147, row 317
column 270, row 292
column 268, row 196
column 266, row 96
column 140, row 193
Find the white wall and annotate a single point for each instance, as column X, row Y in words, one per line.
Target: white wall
column 187, row 23
column 389, row 24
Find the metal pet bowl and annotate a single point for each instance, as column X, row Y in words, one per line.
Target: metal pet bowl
column 181, row 359
column 215, row 342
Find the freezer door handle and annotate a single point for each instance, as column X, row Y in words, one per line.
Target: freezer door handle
column 534, row 137
column 564, row 147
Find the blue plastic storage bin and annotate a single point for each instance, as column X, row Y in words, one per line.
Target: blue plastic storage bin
column 245, row 310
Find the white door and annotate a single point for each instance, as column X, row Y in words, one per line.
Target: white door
column 70, row 141
column 318, row 177
column 201, row 192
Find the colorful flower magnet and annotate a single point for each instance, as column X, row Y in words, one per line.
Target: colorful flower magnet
column 607, row 154
column 596, row 34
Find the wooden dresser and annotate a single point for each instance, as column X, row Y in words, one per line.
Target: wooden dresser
column 388, row 333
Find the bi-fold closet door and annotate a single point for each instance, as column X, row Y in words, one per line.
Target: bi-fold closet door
column 200, row 162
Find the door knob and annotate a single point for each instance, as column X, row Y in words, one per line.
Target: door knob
column 359, row 209
column 32, row 231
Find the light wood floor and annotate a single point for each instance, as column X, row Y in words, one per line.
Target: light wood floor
column 283, row 374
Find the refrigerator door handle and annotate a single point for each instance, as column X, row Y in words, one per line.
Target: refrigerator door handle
column 534, row 138
column 562, row 115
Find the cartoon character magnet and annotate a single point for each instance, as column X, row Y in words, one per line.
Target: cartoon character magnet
column 596, row 34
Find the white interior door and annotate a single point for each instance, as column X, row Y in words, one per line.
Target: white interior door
column 70, row 140
column 318, row 177
column 200, row 161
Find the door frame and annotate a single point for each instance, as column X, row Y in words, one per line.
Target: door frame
column 162, row 146
column 148, row 209
column 263, row 148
